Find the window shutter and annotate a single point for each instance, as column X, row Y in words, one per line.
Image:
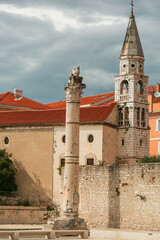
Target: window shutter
column 157, row 125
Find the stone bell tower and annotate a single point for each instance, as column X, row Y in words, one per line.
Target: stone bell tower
column 131, row 93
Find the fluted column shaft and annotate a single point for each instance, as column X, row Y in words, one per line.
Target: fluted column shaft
column 73, row 91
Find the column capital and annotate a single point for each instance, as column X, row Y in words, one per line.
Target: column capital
column 73, row 89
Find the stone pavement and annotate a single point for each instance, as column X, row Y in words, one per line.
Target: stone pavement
column 107, row 234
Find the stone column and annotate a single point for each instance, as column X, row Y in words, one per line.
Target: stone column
column 73, row 91
column 69, row 218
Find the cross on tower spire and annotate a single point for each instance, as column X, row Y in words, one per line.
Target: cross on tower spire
column 132, row 5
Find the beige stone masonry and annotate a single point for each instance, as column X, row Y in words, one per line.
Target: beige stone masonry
column 121, row 196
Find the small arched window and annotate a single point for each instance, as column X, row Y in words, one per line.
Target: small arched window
column 62, row 161
column 143, row 118
column 64, row 138
column 120, row 117
column 138, row 116
column 124, row 87
column 90, row 161
column 140, row 87
column 126, row 116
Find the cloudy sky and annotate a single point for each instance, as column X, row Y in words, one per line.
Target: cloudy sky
column 41, row 40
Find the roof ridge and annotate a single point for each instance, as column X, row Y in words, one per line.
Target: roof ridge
column 25, row 102
column 97, row 95
column 33, row 100
column 4, row 95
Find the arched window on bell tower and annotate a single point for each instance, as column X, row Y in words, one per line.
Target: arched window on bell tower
column 143, row 118
column 124, row 87
column 120, row 117
column 126, row 116
column 140, row 87
column 138, row 116
column 123, row 116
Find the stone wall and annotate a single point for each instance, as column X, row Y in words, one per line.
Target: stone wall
column 132, row 147
column 22, row 215
column 121, row 196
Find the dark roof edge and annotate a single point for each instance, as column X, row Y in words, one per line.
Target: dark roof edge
column 53, row 124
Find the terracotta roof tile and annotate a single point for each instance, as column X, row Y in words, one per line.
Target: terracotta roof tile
column 95, row 98
column 152, row 89
column 61, row 104
column 95, row 114
column 107, row 103
column 99, row 99
column 156, row 100
column 90, row 114
column 9, row 98
column 91, row 100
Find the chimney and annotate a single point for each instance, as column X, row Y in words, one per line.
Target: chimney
column 18, row 92
column 158, row 87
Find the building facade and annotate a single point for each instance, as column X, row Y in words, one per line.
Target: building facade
column 111, row 131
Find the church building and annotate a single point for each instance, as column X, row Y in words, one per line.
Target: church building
column 111, row 130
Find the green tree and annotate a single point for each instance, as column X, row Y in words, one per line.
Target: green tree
column 7, row 172
column 150, row 159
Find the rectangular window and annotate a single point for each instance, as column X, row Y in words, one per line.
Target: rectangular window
column 157, row 125
column 90, row 161
column 62, row 161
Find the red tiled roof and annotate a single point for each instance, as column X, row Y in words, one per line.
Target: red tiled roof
column 152, row 89
column 107, row 103
column 61, row 104
column 95, row 98
column 96, row 114
column 91, row 100
column 90, row 114
column 9, row 98
column 156, row 100
column 99, row 99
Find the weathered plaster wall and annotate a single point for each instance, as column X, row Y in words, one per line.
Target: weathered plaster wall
column 32, row 149
column 121, row 196
column 22, row 215
column 87, row 150
column 58, row 153
column 109, row 150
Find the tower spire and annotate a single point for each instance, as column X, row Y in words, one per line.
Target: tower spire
column 132, row 44
column 132, row 5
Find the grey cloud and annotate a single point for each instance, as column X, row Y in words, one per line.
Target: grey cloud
column 28, row 40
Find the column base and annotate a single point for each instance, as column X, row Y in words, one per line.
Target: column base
column 69, row 223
